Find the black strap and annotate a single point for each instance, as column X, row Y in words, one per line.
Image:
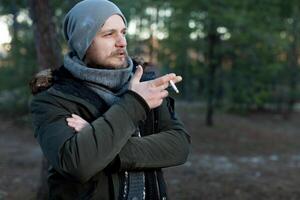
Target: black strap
column 111, row 187
column 161, row 185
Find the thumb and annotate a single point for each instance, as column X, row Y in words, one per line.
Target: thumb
column 138, row 74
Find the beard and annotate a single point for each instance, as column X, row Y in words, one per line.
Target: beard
column 116, row 60
column 121, row 54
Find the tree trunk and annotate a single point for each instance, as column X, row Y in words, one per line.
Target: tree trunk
column 15, row 12
column 212, row 66
column 293, row 64
column 48, row 56
column 153, row 38
column 46, row 44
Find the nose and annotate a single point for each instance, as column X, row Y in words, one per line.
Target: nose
column 121, row 41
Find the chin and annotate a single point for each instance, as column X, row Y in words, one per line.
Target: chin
column 119, row 64
column 111, row 64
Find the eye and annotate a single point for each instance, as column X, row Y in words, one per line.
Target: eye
column 124, row 33
column 108, row 34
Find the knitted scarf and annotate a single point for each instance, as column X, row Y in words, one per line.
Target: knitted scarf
column 109, row 84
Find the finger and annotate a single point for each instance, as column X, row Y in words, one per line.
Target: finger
column 163, row 86
column 161, row 94
column 77, row 117
column 77, row 129
column 164, row 94
column 71, row 124
column 74, row 115
column 162, row 80
column 82, row 124
column 76, row 123
column 160, row 88
column 138, row 74
column 71, row 119
column 177, row 79
column 78, row 120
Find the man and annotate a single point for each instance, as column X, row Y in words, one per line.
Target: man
column 105, row 132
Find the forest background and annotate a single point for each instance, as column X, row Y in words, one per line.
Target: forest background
column 240, row 95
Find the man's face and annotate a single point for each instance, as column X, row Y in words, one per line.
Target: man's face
column 108, row 48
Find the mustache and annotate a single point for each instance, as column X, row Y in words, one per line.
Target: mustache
column 119, row 51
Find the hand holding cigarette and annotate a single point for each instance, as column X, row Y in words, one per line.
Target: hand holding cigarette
column 153, row 91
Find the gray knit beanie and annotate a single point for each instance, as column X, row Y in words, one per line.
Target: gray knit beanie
column 84, row 20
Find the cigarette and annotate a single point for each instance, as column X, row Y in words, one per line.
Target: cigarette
column 174, row 86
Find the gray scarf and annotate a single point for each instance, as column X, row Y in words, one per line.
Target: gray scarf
column 109, row 84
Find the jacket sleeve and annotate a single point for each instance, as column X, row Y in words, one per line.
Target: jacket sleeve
column 82, row 155
column 169, row 147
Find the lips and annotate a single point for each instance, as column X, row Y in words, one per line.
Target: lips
column 120, row 52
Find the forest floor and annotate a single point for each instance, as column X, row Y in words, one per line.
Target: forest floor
column 253, row 157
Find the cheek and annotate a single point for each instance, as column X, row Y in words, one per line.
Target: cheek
column 103, row 49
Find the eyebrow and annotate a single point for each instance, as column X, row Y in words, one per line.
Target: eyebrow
column 111, row 30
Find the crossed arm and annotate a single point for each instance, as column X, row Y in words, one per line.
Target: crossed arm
column 153, row 92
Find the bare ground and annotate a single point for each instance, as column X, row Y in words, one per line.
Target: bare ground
column 241, row 158
column 254, row 157
column 20, row 161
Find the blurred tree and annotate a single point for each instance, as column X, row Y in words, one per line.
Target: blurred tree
column 233, row 54
column 17, row 61
column 291, row 24
column 47, row 47
column 48, row 56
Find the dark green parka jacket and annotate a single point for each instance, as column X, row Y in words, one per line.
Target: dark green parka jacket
column 87, row 164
